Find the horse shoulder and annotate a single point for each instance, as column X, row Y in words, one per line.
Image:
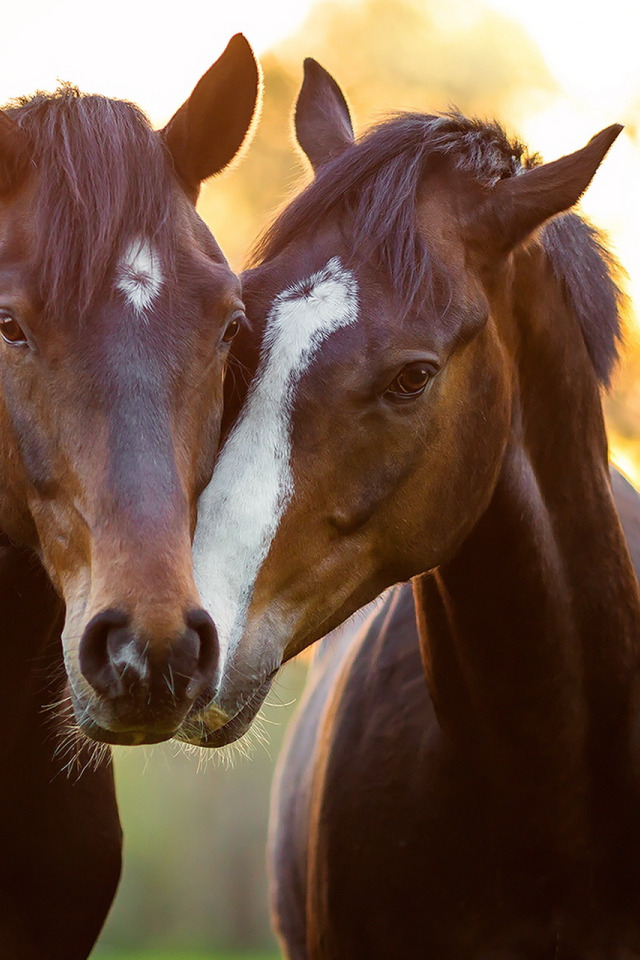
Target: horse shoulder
column 366, row 812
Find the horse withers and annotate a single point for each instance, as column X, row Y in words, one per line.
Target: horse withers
column 436, row 331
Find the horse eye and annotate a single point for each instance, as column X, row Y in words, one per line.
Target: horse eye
column 11, row 330
column 411, row 381
column 233, row 327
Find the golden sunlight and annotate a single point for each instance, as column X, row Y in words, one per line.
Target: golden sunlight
column 552, row 72
column 141, row 50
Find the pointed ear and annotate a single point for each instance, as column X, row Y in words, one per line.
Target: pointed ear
column 209, row 128
column 322, row 119
column 516, row 206
column 14, row 153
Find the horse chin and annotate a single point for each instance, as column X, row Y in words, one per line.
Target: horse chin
column 125, row 738
column 93, row 729
column 195, row 730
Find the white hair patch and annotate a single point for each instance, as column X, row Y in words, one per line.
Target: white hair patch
column 240, row 510
column 139, row 274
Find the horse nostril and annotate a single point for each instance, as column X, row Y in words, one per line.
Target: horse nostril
column 201, row 623
column 119, row 663
column 103, row 633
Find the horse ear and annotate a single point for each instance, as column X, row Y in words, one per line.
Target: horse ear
column 14, row 153
column 205, row 134
column 519, row 204
column 322, row 118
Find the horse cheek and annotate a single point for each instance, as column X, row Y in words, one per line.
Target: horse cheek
column 15, row 518
column 480, row 426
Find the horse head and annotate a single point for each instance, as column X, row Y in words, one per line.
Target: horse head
column 117, row 308
column 389, row 387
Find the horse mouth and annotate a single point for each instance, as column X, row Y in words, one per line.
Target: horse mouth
column 124, row 738
column 194, row 730
column 139, row 731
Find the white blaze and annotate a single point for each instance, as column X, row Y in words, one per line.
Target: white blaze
column 239, row 511
column 139, row 274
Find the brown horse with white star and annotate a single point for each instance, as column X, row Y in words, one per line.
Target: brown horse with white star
column 117, row 308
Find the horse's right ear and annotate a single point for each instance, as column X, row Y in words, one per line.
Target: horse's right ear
column 322, row 118
column 205, row 134
column 518, row 205
column 14, row 153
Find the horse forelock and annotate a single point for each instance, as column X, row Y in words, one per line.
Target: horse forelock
column 377, row 182
column 104, row 181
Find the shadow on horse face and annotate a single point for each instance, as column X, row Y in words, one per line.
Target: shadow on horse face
column 116, row 311
column 374, row 431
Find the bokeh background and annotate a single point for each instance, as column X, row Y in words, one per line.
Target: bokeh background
column 552, row 72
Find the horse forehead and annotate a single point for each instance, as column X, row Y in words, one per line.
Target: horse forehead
column 304, row 314
column 139, row 274
column 18, row 223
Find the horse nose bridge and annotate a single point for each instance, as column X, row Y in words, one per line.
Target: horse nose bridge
column 146, row 473
column 151, row 501
column 141, row 549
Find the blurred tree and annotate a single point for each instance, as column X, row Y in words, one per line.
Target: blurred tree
column 387, row 55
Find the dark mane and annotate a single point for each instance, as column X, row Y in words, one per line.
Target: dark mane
column 589, row 273
column 104, row 178
column 377, row 182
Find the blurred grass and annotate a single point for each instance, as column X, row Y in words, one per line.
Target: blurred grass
column 180, row 955
column 194, row 881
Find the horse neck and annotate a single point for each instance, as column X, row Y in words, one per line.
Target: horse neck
column 29, row 639
column 530, row 634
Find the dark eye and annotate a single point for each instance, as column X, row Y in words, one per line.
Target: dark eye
column 233, row 327
column 11, row 330
column 411, row 381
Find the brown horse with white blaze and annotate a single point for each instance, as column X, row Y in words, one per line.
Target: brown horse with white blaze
column 116, row 312
column 427, row 405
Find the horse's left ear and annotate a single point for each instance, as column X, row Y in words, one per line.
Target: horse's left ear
column 517, row 205
column 322, row 118
column 205, row 134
